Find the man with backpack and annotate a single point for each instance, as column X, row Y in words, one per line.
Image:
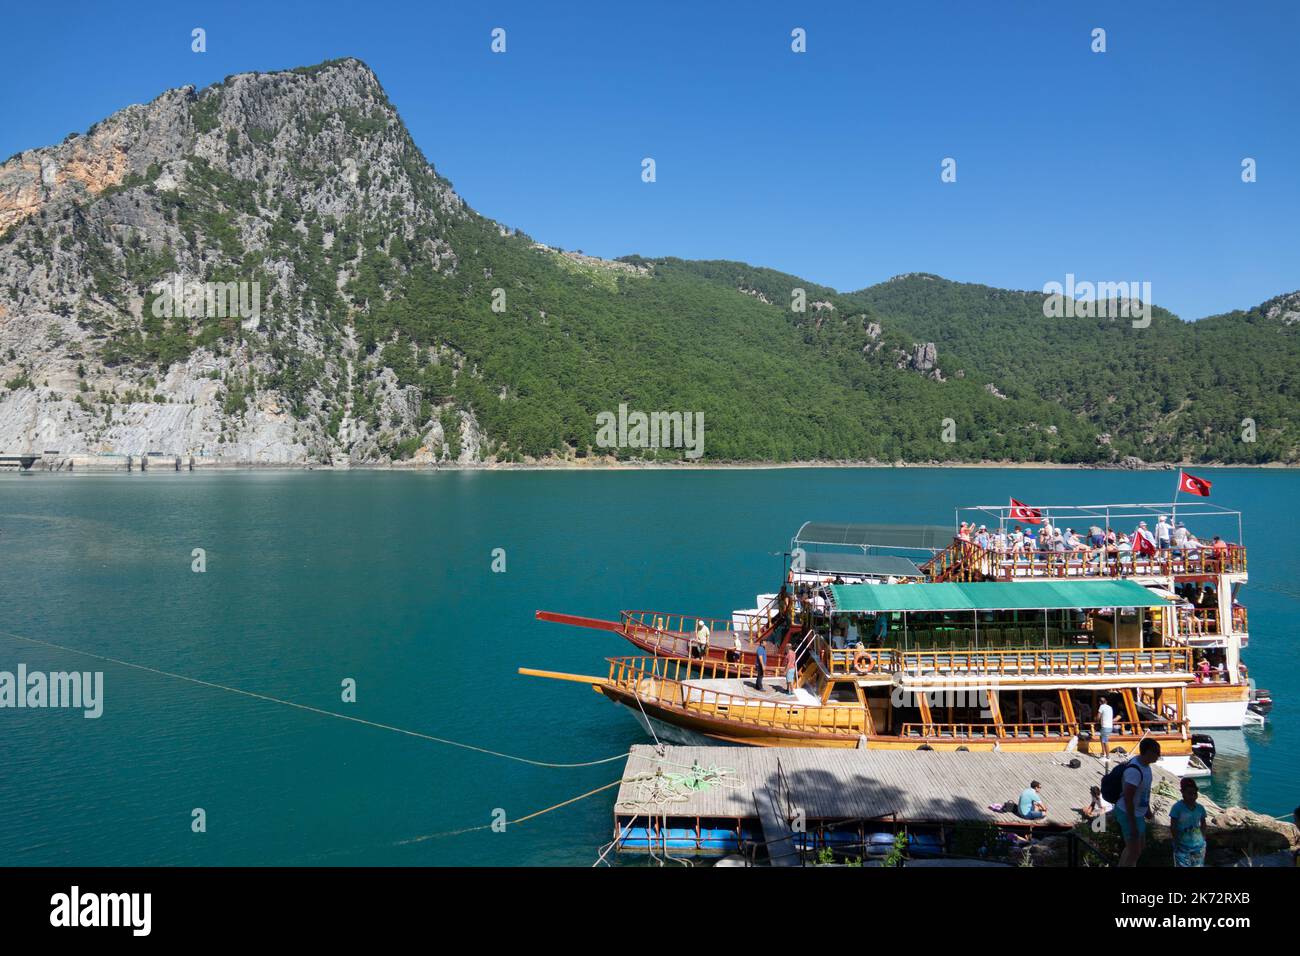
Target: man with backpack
column 1128, row 786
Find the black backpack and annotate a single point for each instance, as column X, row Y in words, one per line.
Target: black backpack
column 1112, row 784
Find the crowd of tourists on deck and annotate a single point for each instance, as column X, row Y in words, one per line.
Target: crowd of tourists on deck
column 1047, row 538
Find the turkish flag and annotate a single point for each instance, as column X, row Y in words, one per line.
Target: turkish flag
column 1193, row 485
column 1022, row 512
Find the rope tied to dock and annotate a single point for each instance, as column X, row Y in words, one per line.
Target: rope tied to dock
column 659, row 788
column 509, row 823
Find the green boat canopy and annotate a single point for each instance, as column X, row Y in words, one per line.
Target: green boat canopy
column 992, row 596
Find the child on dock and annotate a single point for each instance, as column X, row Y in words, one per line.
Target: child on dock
column 1187, row 827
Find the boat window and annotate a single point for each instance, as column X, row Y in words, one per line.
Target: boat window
column 844, row 692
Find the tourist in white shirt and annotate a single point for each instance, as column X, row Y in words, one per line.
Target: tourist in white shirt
column 1180, row 536
column 1105, row 724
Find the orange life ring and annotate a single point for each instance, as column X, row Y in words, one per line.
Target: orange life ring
column 863, row 663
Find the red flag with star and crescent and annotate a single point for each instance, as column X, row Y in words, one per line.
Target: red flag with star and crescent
column 1192, row 485
column 1022, row 512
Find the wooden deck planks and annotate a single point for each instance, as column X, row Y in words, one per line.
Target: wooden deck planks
column 912, row 786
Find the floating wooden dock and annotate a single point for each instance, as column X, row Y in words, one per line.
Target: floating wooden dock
column 785, row 798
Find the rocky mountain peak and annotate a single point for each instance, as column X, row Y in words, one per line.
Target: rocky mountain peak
column 275, row 181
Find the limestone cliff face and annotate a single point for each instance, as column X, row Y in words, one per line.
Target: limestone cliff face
column 267, row 181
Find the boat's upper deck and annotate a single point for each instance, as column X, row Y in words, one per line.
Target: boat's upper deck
column 967, row 561
column 1164, row 540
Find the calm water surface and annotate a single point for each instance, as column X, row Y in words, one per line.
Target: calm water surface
column 386, row 578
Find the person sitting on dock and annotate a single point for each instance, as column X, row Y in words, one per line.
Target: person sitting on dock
column 1098, row 805
column 1031, row 806
column 700, row 648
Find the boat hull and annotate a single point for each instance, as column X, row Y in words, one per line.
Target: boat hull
column 1217, row 707
column 673, row 725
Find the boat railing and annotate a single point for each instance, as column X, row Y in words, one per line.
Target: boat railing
column 960, row 561
column 1208, row 622
column 1075, row 662
column 671, row 630
column 1040, row 729
column 675, row 669
column 843, row 661
column 1199, row 622
column 677, row 682
column 990, row 730
column 1007, row 566
column 1079, row 662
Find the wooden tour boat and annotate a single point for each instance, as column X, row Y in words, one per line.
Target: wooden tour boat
column 1203, row 586
column 890, row 651
column 1024, row 681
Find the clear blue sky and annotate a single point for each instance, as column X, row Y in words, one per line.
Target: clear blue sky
column 1116, row 166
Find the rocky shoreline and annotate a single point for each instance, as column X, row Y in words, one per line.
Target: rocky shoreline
column 1235, row 836
column 82, row 464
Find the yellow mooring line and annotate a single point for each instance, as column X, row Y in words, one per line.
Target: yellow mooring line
column 311, row 709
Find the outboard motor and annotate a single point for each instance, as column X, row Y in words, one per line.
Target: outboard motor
column 1261, row 701
column 1203, row 747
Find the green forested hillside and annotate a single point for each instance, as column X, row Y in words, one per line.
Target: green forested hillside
column 1172, row 391
column 670, row 338
column 398, row 323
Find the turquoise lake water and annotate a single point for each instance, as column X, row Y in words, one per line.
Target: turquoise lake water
column 386, row 578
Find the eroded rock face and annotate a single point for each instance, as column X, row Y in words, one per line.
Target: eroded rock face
column 271, row 169
column 21, row 192
column 924, row 358
column 82, row 167
column 1285, row 308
